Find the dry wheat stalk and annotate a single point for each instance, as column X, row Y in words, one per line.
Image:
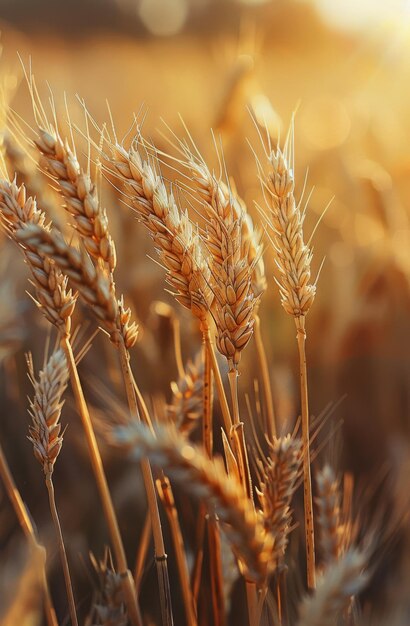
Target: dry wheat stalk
column 329, row 517
column 45, row 409
column 185, row 408
column 53, row 298
column 343, row 579
column 278, row 480
column 26, row 524
column 177, row 242
column 207, row 480
column 293, row 258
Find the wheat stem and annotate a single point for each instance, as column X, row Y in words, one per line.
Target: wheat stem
column 267, row 388
column 214, row 540
column 142, row 552
column 164, row 488
column 101, row 480
column 28, row 529
column 217, row 586
column 199, row 552
column 238, row 436
column 226, row 414
column 61, row 546
column 238, row 439
column 307, row 479
column 160, row 554
column 176, row 330
column 207, row 426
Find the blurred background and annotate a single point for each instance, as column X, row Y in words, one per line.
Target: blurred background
column 235, row 67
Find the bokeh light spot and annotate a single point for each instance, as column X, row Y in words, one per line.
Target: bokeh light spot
column 163, row 17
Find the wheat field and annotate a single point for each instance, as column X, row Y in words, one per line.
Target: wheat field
column 204, row 321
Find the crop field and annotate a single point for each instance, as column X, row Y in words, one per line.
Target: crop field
column 204, row 313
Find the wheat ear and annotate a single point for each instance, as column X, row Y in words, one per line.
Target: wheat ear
column 186, row 404
column 279, row 473
column 45, row 411
column 329, row 515
column 52, row 296
column 344, row 578
column 176, row 240
column 206, row 479
column 293, row 258
column 108, row 607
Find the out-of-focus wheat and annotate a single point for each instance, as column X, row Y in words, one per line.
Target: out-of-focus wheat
column 208, row 481
column 343, row 580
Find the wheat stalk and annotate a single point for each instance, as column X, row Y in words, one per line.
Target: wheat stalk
column 45, row 243
column 45, row 411
column 293, row 258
